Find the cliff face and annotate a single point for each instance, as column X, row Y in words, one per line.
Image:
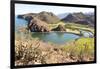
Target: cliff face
column 38, row 22
column 37, row 25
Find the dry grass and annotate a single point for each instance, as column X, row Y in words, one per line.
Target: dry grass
column 29, row 51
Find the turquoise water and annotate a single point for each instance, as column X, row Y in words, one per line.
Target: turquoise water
column 55, row 37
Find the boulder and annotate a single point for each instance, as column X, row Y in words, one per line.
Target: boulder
column 36, row 25
column 59, row 28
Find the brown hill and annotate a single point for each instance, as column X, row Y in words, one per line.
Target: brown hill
column 80, row 18
column 48, row 17
column 37, row 25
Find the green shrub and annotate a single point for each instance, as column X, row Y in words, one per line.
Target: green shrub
column 82, row 48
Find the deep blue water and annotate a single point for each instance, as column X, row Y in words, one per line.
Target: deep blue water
column 20, row 23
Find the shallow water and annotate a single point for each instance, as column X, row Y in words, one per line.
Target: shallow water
column 55, row 37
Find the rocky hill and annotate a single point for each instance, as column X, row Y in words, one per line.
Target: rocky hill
column 37, row 25
column 39, row 22
column 47, row 17
column 80, row 18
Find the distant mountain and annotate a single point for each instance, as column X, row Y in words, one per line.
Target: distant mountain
column 91, row 17
column 80, row 18
column 89, row 14
column 63, row 15
column 48, row 17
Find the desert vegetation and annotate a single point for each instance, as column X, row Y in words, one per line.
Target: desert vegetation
column 30, row 50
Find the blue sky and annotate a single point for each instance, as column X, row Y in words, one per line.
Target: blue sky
column 29, row 8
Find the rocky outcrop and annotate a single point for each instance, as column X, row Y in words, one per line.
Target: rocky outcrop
column 28, row 17
column 59, row 28
column 20, row 16
column 37, row 25
column 38, row 22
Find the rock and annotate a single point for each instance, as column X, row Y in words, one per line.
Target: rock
column 20, row 16
column 37, row 25
column 56, row 49
column 28, row 18
column 59, row 28
column 30, row 63
column 34, row 62
column 18, row 63
column 23, row 30
column 37, row 62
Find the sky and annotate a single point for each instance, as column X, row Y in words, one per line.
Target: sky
column 29, row 8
